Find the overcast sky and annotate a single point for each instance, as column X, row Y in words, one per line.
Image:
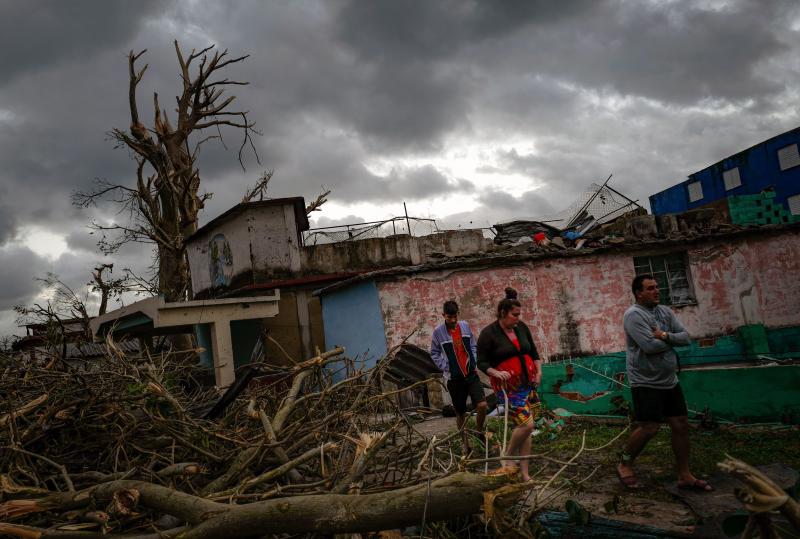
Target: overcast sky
column 471, row 112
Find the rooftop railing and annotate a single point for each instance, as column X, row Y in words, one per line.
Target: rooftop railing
column 413, row 226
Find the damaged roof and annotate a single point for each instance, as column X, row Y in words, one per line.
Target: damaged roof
column 299, row 211
column 511, row 255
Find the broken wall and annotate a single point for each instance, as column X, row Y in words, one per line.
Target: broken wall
column 400, row 250
column 574, row 305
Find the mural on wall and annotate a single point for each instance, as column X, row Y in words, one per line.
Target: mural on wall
column 220, row 263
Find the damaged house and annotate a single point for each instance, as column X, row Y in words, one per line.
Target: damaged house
column 732, row 282
column 373, row 286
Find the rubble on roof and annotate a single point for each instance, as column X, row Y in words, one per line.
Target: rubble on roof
column 604, row 217
column 597, row 206
column 516, row 232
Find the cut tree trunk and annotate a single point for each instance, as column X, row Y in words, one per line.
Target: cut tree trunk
column 444, row 499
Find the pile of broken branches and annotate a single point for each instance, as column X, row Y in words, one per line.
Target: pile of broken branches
column 121, row 446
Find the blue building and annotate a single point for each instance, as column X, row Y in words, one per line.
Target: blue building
column 773, row 164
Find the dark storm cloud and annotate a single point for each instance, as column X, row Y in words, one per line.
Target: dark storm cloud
column 39, row 34
column 401, row 183
column 19, row 284
column 677, row 52
column 63, row 89
column 561, row 93
column 7, row 224
column 418, row 81
column 530, row 204
column 498, row 206
column 82, row 239
column 428, row 31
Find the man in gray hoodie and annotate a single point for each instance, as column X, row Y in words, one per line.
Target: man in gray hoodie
column 651, row 331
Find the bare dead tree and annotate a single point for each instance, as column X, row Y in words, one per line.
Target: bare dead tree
column 61, row 308
column 163, row 205
column 317, row 204
column 62, row 303
column 107, row 288
column 260, row 188
column 259, row 191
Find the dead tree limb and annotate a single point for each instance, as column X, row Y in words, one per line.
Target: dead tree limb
column 329, row 513
column 761, row 494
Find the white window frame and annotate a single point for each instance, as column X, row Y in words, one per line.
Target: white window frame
column 695, row 190
column 732, row 179
column 789, row 157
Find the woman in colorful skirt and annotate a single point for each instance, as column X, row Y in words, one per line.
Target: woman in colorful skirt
column 507, row 354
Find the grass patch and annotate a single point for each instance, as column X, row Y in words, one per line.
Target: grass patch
column 753, row 445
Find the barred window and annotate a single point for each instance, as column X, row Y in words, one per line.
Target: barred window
column 672, row 276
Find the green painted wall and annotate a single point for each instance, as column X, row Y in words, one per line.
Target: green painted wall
column 766, row 393
column 732, row 392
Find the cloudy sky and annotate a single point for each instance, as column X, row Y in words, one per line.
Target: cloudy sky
column 470, row 111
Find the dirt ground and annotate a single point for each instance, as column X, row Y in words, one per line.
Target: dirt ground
column 660, row 504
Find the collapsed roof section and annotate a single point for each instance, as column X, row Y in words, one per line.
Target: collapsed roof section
column 599, row 204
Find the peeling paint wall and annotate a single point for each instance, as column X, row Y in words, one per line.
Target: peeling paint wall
column 578, row 303
column 401, row 250
column 260, row 242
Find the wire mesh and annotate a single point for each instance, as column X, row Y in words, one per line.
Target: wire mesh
column 379, row 229
column 599, row 201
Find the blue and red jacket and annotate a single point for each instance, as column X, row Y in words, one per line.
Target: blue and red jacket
column 443, row 351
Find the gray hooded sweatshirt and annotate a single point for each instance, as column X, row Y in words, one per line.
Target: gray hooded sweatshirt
column 652, row 362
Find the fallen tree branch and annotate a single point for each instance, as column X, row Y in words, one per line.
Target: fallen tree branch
column 22, row 410
column 762, row 495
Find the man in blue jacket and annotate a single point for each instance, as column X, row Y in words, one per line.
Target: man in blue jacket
column 651, row 332
column 454, row 350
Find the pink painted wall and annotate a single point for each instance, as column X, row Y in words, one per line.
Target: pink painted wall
column 743, row 281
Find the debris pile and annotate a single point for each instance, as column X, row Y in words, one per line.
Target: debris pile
column 121, row 447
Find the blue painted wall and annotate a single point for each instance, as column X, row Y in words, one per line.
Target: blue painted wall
column 352, row 318
column 758, row 169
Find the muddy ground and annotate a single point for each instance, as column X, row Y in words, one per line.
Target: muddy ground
column 774, row 448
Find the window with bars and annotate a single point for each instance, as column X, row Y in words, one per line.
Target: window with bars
column 672, row 276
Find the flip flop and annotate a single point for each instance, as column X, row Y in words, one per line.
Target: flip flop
column 629, row 481
column 697, row 485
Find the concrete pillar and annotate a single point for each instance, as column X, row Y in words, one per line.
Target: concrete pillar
column 304, row 321
column 222, row 345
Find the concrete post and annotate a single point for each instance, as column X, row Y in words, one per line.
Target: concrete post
column 304, row 321
column 221, row 343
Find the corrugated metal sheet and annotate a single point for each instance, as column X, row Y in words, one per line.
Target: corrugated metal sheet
column 411, row 364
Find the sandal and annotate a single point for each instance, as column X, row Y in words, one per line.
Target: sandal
column 629, row 481
column 697, row 485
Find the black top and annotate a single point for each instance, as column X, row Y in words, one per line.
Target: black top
column 494, row 346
